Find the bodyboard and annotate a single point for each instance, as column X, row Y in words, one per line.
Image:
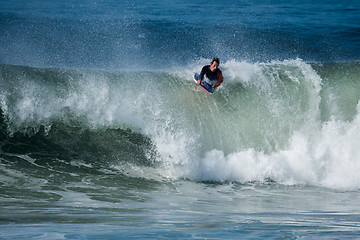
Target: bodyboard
column 205, row 86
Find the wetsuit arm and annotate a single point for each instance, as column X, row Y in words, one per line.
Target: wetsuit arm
column 220, row 78
column 203, row 72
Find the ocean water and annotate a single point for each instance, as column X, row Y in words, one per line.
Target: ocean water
column 104, row 135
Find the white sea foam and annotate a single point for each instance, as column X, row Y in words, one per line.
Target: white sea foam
column 330, row 159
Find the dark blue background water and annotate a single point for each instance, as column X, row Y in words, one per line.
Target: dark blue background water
column 161, row 34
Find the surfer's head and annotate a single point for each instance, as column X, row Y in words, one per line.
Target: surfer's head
column 215, row 59
column 214, row 64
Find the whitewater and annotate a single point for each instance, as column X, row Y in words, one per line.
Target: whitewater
column 277, row 120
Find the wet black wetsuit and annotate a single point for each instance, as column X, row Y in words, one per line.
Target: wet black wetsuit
column 214, row 79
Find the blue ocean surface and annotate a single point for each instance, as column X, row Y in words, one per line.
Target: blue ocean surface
column 105, row 135
column 147, row 34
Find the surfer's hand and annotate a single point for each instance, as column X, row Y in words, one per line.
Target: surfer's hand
column 198, row 82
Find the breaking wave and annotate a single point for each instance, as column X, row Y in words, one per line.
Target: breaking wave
column 288, row 121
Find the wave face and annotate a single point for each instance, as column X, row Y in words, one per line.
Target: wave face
column 288, row 121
